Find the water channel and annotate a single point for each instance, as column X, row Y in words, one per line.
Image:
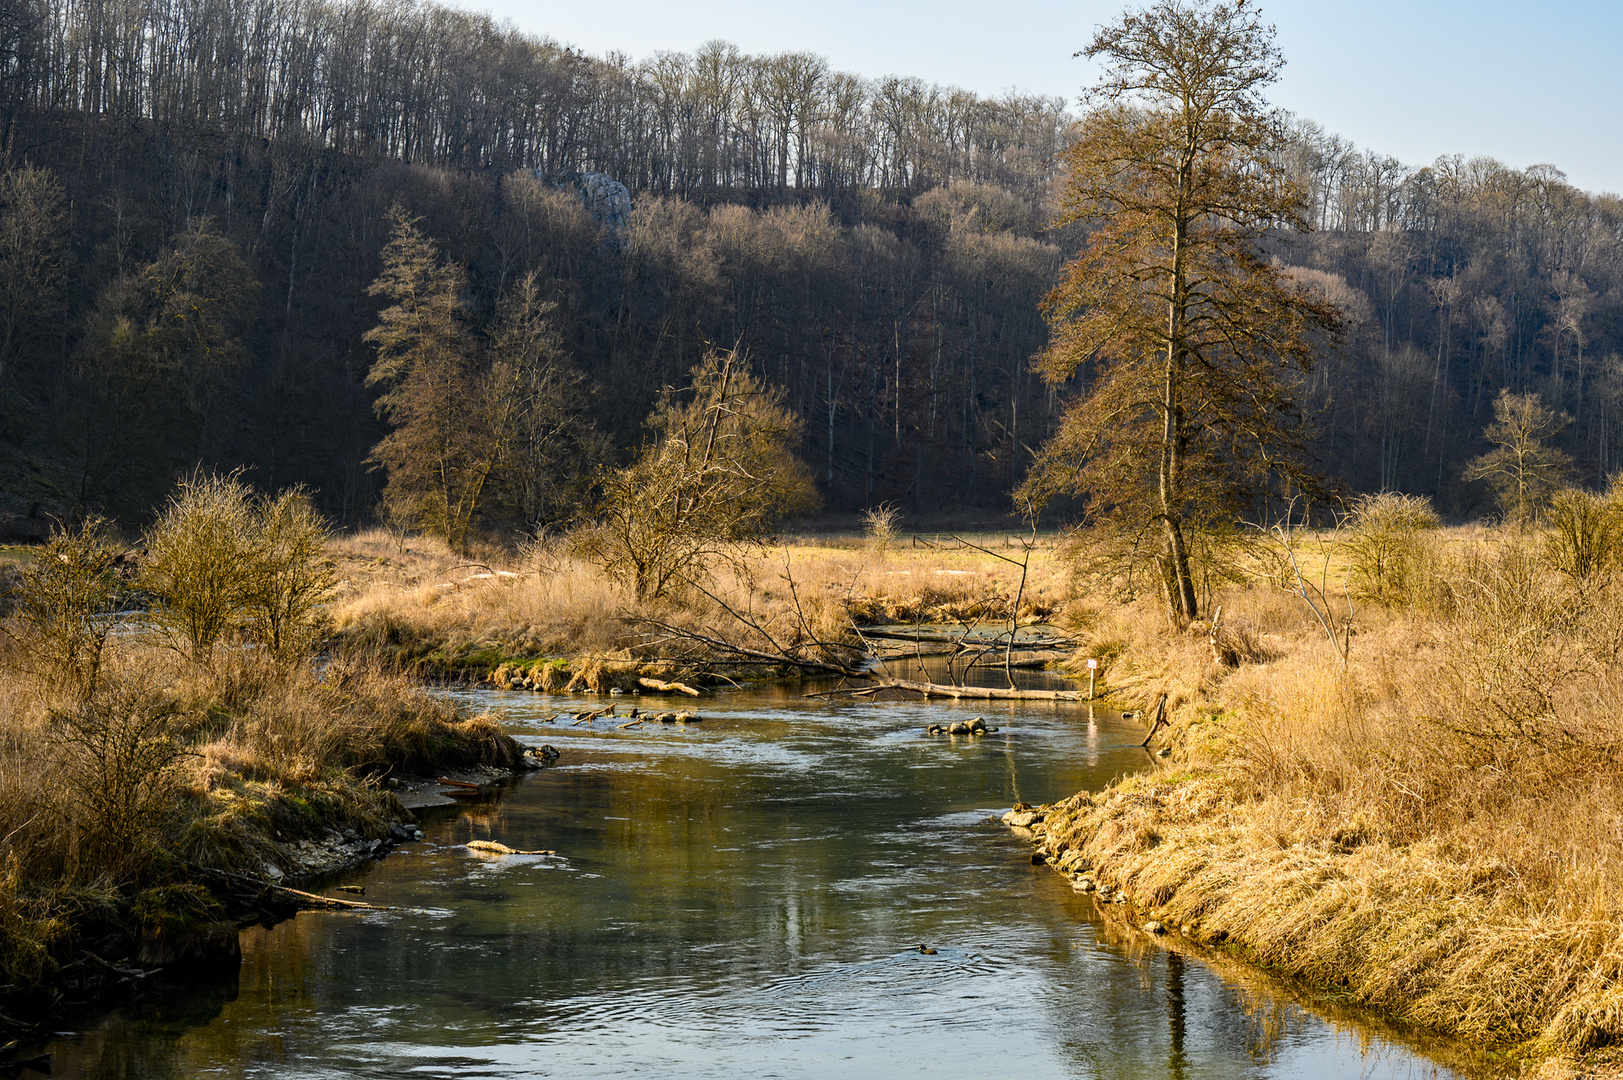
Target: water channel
column 746, row 897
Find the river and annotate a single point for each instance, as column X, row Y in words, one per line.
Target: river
column 747, row 897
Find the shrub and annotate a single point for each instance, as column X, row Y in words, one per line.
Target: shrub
column 1585, row 533
column 221, row 559
column 1386, row 545
column 61, row 602
column 123, row 756
column 719, row 476
column 880, row 523
column 198, row 569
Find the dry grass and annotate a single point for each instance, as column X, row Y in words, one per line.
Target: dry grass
column 1435, row 831
column 422, row 604
column 250, row 753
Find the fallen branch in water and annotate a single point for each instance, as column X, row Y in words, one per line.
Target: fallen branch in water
column 667, row 687
column 947, row 690
column 744, row 652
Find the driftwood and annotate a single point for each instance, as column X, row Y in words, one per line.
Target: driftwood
column 493, row 848
column 998, row 640
column 457, row 784
column 668, row 687
column 930, row 689
column 311, row 900
column 587, row 717
column 293, row 898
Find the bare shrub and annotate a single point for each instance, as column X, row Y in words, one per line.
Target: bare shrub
column 121, row 741
column 880, row 523
column 62, row 601
column 221, row 560
column 1585, row 533
column 292, row 575
column 200, row 554
column 719, row 475
column 1386, row 545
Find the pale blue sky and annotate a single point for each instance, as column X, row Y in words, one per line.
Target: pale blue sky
column 1523, row 82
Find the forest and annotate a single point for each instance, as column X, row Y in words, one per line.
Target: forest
column 197, row 196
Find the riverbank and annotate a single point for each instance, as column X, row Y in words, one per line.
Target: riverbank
column 540, row 615
column 1426, row 824
column 145, row 822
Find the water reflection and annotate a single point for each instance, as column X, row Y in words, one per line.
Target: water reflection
column 747, row 896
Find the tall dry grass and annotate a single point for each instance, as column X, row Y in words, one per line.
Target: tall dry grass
column 1435, row 830
column 131, row 757
column 421, row 604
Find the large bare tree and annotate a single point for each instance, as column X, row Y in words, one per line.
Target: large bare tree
column 1182, row 333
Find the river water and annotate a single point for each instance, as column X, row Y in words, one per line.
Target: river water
column 746, row 897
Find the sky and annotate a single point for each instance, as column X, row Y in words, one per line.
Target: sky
column 1527, row 83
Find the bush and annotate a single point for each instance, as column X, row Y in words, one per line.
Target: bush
column 221, row 559
column 1387, row 545
column 1585, row 534
column 880, row 524
column 123, row 753
column 719, row 476
column 61, row 602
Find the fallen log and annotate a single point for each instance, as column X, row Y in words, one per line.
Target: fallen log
column 667, row 687
column 312, row 900
column 931, row 689
column 295, row 898
column 1000, row 640
column 491, row 847
column 457, row 784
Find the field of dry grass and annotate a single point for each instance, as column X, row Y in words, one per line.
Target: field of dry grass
column 1433, row 829
column 420, row 603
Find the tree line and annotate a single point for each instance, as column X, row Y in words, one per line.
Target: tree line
column 196, row 198
column 1462, row 279
column 421, row 82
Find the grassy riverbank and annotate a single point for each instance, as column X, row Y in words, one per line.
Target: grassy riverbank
column 1433, row 830
column 112, row 806
column 158, row 765
column 413, row 601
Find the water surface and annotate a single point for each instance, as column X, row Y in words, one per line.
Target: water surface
column 745, row 897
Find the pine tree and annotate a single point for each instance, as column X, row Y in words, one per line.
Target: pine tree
column 441, row 452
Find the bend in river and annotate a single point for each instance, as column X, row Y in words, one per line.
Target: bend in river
column 747, row 896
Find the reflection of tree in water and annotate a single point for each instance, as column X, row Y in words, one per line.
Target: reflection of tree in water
column 165, row 1021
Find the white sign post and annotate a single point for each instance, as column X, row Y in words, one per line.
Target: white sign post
column 1093, row 674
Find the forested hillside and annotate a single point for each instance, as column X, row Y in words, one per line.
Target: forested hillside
column 196, row 198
